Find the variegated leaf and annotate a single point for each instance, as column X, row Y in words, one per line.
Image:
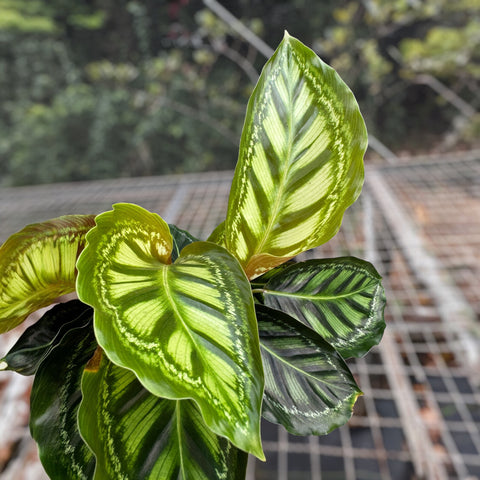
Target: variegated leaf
column 38, row 340
column 37, row 265
column 187, row 329
column 136, row 435
column 54, row 406
column 342, row 299
column 308, row 387
column 300, row 163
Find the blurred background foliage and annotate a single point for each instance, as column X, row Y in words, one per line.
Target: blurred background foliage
column 101, row 88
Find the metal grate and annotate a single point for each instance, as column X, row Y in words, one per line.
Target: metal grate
column 419, row 223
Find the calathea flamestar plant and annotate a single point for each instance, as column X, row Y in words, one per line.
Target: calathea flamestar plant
column 177, row 347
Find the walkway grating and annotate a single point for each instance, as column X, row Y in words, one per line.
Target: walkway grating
column 419, row 222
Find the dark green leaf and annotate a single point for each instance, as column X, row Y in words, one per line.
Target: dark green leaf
column 136, row 435
column 55, row 400
column 308, row 387
column 342, row 299
column 38, row 340
column 181, row 239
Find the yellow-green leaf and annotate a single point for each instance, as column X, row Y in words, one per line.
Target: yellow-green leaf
column 37, row 265
column 187, row 329
column 300, row 163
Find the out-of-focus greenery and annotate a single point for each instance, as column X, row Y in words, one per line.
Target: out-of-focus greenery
column 105, row 88
column 393, row 51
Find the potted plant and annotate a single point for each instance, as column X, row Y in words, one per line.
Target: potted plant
column 176, row 347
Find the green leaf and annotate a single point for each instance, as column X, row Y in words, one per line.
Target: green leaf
column 342, row 299
column 135, row 434
column 188, row 329
column 218, row 235
column 37, row 265
column 308, row 387
column 37, row 341
column 54, row 402
column 300, row 164
column 181, row 239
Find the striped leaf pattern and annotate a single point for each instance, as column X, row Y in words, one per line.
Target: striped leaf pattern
column 136, row 435
column 300, row 163
column 342, row 299
column 54, row 404
column 37, row 265
column 187, row 329
column 308, row 387
column 38, row 340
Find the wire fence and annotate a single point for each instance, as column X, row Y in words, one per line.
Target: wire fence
column 418, row 221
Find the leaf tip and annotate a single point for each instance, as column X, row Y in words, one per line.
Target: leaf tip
column 258, row 452
column 287, row 38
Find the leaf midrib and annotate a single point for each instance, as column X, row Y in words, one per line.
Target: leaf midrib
column 178, row 315
column 321, row 298
column 282, row 184
column 304, row 373
column 180, row 439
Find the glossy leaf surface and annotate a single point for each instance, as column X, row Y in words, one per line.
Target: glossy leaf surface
column 187, row 329
column 39, row 339
column 308, row 387
column 135, row 434
column 55, row 400
column 37, row 265
column 181, row 239
column 342, row 299
column 300, row 163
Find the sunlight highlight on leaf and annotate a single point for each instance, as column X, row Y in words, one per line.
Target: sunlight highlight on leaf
column 187, row 329
column 300, row 164
column 37, row 265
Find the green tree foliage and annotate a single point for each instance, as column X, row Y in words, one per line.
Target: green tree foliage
column 99, row 89
column 397, row 52
column 113, row 91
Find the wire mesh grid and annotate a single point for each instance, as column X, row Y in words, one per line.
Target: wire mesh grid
column 420, row 413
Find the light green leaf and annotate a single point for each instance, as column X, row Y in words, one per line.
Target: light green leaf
column 308, row 387
column 136, row 435
column 38, row 340
column 342, row 299
column 217, row 236
column 300, row 164
column 187, row 329
column 54, row 403
column 37, row 265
